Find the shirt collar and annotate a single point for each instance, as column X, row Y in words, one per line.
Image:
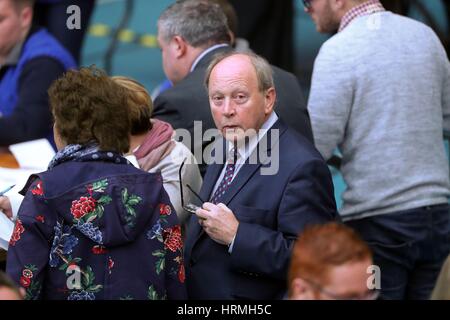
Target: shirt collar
column 366, row 8
column 245, row 150
column 204, row 53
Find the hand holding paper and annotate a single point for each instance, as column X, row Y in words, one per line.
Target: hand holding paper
column 6, row 230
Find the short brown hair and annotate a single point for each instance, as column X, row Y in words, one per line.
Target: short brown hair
column 322, row 247
column 139, row 104
column 88, row 106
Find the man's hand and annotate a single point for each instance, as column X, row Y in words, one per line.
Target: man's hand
column 5, row 206
column 218, row 222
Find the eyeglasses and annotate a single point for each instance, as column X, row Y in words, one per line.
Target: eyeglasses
column 307, row 4
column 370, row 294
column 189, row 207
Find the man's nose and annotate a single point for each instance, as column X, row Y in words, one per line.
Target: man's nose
column 229, row 108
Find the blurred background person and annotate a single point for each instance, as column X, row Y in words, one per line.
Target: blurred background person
column 383, row 99
column 93, row 226
column 30, row 60
column 152, row 143
column 330, row 262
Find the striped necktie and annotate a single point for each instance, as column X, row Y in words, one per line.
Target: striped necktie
column 228, row 176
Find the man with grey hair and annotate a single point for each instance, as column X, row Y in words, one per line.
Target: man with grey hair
column 381, row 93
column 239, row 243
column 190, row 33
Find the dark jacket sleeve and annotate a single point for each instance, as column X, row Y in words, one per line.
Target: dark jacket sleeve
column 29, row 247
column 164, row 110
column 307, row 200
column 31, row 118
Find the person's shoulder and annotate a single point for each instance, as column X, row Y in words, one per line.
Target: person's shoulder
column 45, row 65
column 281, row 74
column 70, row 173
column 189, row 88
column 40, row 43
column 405, row 20
column 416, row 29
column 179, row 154
column 296, row 146
column 180, row 151
column 335, row 50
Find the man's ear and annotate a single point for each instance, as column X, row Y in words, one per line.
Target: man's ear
column 232, row 38
column 301, row 290
column 26, row 16
column 179, row 46
column 338, row 5
column 270, row 98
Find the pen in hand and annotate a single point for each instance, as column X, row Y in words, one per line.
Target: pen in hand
column 6, row 190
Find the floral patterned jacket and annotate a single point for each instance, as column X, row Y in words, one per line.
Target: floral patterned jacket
column 97, row 228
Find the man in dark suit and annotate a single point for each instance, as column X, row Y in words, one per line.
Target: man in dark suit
column 190, row 33
column 239, row 243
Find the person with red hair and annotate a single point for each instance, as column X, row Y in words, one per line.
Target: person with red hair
column 330, row 261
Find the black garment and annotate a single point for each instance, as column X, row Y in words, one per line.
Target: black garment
column 268, row 26
column 53, row 16
column 188, row 101
column 31, row 118
column 409, row 247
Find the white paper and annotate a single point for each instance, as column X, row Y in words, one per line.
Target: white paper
column 35, row 154
column 9, row 177
column 19, row 177
column 6, row 230
column 33, row 157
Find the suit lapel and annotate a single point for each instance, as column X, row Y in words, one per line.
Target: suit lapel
column 262, row 154
column 211, row 176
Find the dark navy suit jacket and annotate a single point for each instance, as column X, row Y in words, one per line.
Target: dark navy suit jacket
column 272, row 210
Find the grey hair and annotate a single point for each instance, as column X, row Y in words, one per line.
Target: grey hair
column 264, row 72
column 200, row 23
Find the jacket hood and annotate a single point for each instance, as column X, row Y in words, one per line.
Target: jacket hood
column 111, row 211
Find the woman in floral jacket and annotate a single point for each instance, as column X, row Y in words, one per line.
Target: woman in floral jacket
column 93, row 226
